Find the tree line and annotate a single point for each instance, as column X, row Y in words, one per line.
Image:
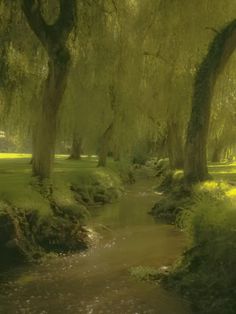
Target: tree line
column 128, row 78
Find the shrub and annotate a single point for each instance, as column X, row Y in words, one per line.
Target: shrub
column 207, row 272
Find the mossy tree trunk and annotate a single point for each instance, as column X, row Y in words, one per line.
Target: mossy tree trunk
column 219, row 52
column 175, row 145
column 53, row 37
column 76, row 148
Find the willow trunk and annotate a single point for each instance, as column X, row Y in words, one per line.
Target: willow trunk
column 46, row 126
column 76, row 148
column 219, row 52
column 175, row 145
column 104, row 146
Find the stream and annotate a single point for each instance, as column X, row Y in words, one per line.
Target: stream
column 98, row 281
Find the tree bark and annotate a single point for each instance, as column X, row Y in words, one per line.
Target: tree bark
column 175, row 145
column 46, row 126
column 107, row 135
column 76, row 149
column 116, row 156
column 220, row 50
column 104, row 146
column 218, row 150
column 217, row 154
column 53, row 38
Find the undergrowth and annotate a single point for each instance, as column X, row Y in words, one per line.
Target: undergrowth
column 206, row 273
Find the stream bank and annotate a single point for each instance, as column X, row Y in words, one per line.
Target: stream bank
column 205, row 273
column 52, row 217
column 98, row 280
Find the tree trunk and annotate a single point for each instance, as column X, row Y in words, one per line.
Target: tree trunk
column 46, row 126
column 76, row 149
column 107, row 135
column 175, row 145
column 104, row 146
column 116, row 156
column 217, row 151
column 53, row 37
column 222, row 47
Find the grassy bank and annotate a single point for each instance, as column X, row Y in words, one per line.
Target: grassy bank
column 175, row 196
column 206, row 272
column 36, row 218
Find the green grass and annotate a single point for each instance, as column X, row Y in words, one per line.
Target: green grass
column 206, row 273
column 16, row 179
column 223, row 171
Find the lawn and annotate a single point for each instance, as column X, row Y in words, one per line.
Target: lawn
column 223, row 171
column 15, row 178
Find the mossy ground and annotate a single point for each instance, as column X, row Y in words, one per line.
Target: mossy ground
column 51, row 217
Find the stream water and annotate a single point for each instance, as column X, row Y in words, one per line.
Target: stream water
column 98, row 281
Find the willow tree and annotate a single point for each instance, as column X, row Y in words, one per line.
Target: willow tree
column 53, row 38
column 127, row 28
column 21, row 73
column 212, row 66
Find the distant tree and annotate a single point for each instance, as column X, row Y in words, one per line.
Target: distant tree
column 76, row 147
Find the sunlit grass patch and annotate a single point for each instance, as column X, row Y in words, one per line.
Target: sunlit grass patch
column 231, row 193
column 212, row 186
column 14, row 156
column 223, row 171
